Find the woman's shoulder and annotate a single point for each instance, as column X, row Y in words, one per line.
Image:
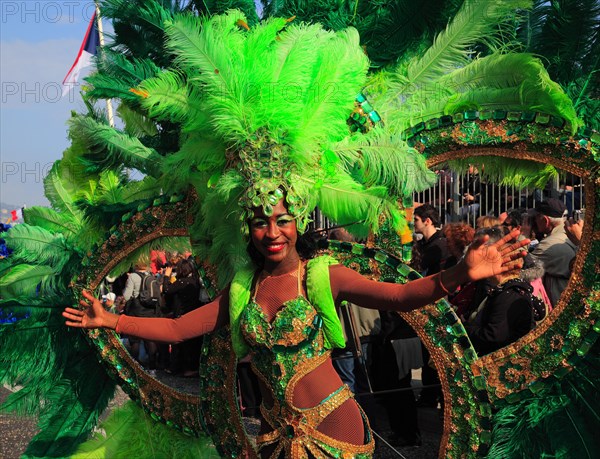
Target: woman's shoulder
column 324, row 260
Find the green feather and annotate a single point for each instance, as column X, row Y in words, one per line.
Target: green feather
column 53, row 221
column 109, row 147
column 145, row 189
column 509, row 171
column 386, row 160
column 136, row 123
column 474, row 22
column 107, row 87
column 23, row 279
column 59, row 192
column 198, row 157
column 127, row 68
column 341, row 70
column 31, row 244
column 73, row 407
column 169, row 97
column 128, row 432
column 345, row 201
column 65, row 385
column 213, row 52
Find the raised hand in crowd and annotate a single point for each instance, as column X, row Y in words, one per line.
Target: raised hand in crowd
column 484, row 260
column 574, row 229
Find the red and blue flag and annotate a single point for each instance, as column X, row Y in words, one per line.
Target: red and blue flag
column 89, row 48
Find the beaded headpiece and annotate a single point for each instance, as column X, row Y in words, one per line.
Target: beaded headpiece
column 270, row 177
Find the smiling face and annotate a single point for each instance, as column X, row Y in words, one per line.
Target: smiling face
column 275, row 236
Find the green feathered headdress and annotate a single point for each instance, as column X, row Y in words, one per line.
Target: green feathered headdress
column 265, row 115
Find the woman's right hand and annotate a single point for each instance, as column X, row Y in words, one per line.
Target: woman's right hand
column 92, row 316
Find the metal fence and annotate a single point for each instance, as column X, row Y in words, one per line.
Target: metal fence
column 450, row 195
column 465, row 197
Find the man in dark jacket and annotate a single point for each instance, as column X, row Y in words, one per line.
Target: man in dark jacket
column 432, row 249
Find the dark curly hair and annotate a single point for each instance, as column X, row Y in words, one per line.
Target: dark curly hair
column 184, row 268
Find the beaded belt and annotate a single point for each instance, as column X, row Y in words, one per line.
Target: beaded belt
column 297, row 432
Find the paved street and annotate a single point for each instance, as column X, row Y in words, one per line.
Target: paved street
column 15, row 432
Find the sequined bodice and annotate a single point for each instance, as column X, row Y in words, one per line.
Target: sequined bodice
column 286, row 344
column 294, row 337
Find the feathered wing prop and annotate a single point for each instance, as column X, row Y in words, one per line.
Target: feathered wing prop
column 64, row 385
column 448, row 78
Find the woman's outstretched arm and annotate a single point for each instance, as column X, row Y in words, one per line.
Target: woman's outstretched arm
column 480, row 262
column 195, row 323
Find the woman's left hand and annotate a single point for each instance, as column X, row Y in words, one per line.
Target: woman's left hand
column 486, row 260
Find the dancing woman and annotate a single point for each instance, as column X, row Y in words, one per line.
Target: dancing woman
column 282, row 312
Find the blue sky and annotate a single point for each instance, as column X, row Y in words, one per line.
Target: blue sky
column 39, row 41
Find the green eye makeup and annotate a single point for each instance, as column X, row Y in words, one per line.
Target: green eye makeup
column 258, row 222
column 284, row 220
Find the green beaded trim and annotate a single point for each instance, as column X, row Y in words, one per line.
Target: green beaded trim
column 364, row 117
column 154, row 219
column 511, row 129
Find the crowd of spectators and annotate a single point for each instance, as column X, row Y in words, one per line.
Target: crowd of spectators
column 179, row 290
column 498, row 311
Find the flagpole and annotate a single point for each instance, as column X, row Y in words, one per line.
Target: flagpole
column 109, row 107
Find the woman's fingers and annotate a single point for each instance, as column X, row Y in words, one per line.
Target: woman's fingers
column 74, row 317
column 73, row 311
column 507, row 241
column 84, row 304
column 516, row 255
column 512, row 266
column 507, row 248
column 88, row 296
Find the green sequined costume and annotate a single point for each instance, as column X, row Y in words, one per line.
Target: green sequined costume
column 295, row 343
